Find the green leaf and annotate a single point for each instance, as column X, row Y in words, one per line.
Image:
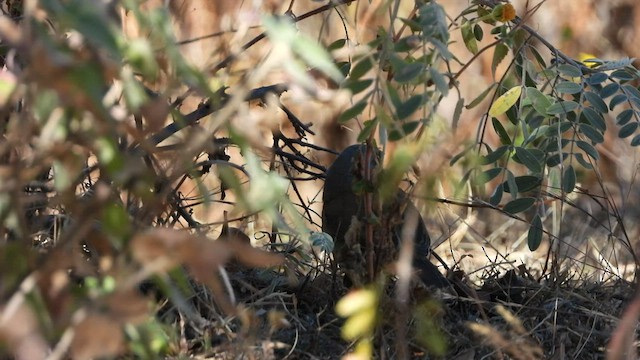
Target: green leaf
column 344, row 67
column 558, row 128
column 109, row 155
column 597, row 78
column 529, row 160
column 582, row 161
column 556, row 159
column 44, row 104
column 439, row 80
column 628, row 130
column 406, row 129
column 408, row 43
column 588, row 149
column 562, row 107
column 89, row 77
column 631, row 91
column 539, row 101
column 469, row 38
column 568, row 179
column 534, row 236
column 477, row 32
column 409, row 107
column 413, row 25
column 281, row 30
column 361, row 68
column 569, row 70
column 338, row 44
column 116, row 223
column 594, row 118
column 622, row 75
column 617, row 100
column 316, row 56
column 553, row 146
column 134, row 93
column 352, row 112
column 410, row 126
column 456, row 114
column 480, row 97
column 512, row 185
column 62, row 176
column 504, row 102
column 89, row 19
column 609, row 90
column 499, row 53
column 624, row 116
column 635, row 101
column 266, row 189
column 368, row 128
column 495, row 155
column 538, row 57
column 357, row 86
column 519, row 205
column 593, row 134
column 140, row 55
column 461, row 154
column 502, row 133
column 442, row 48
column 394, row 95
column 524, row 183
column 433, row 19
column 496, row 197
column 568, row 87
column 595, row 100
column 539, row 130
column 636, row 140
column 409, row 72
column 429, row 333
column 489, row 175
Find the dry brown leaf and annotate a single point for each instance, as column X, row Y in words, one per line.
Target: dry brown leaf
column 19, row 330
column 53, row 281
column 128, row 306
column 252, row 257
column 152, row 245
column 155, row 111
column 200, row 255
column 203, row 259
column 203, row 256
column 246, row 254
column 96, row 336
column 10, row 31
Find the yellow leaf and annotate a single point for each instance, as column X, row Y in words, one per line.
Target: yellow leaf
column 360, row 324
column 585, row 57
column 363, row 350
column 504, row 102
column 356, row 301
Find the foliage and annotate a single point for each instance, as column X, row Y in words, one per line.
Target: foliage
column 91, row 208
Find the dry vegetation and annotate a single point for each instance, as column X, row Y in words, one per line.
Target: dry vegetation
column 161, row 171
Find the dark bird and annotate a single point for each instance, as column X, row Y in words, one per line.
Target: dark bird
column 343, row 217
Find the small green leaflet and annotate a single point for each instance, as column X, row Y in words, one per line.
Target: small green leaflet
column 534, row 237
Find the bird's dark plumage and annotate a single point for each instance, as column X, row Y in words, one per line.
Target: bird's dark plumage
column 342, row 206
